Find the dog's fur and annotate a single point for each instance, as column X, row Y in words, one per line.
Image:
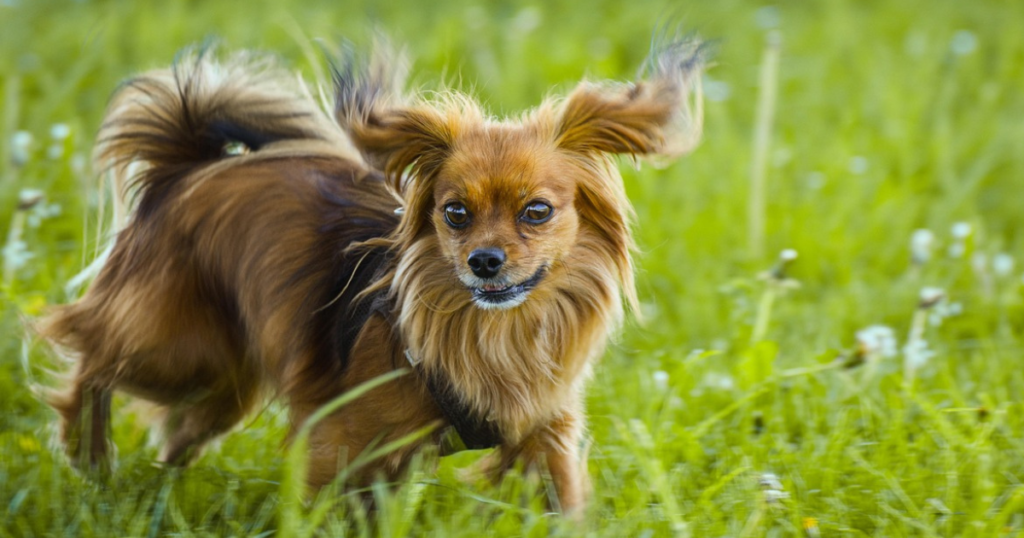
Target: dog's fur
column 285, row 269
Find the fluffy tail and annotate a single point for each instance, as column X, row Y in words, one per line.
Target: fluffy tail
column 171, row 122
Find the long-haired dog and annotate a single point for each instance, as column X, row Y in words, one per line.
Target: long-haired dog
column 276, row 250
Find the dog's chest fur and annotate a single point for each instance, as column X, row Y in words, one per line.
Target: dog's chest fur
column 516, row 367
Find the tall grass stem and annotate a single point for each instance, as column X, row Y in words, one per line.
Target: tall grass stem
column 12, row 90
column 13, row 236
column 768, row 88
column 917, row 327
column 764, row 313
column 293, row 488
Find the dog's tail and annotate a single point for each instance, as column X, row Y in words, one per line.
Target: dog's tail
column 163, row 125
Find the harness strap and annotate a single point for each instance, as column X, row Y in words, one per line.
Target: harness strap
column 476, row 433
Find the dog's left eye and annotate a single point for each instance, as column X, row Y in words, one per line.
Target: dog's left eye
column 456, row 215
column 537, row 213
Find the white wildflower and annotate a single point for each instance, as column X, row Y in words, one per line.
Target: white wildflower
column 660, row 378
column 21, row 144
column 960, row 230
column 956, row 250
column 42, row 211
column 767, row 17
column 963, row 43
column 21, row 139
column 774, row 496
column 55, row 152
column 27, row 198
column 78, row 163
column 916, row 353
column 769, row 481
column 772, row 488
column 858, row 164
column 921, row 242
column 815, row 181
column 1002, row 264
column 930, row 296
column 718, row 381
column 944, row 309
column 777, row 274
column 650, row 309
column 59, row 131
column 694, row 354
column 877, row 341
column 16, row 255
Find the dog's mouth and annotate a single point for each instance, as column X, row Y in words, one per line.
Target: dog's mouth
column 506, row 295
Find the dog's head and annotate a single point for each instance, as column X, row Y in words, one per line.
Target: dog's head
column 516, row 204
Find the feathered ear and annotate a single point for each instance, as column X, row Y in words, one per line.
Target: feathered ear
column 652, row 117
column 391, row 135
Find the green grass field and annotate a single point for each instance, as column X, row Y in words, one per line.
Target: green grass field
column 891, row 116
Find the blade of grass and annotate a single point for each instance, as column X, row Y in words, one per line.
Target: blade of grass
column 293, row 484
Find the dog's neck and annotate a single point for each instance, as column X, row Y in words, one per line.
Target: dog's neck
column 517, row 367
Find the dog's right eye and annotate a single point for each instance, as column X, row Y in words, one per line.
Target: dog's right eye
column 456, row 215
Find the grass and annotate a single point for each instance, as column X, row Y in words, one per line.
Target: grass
column 890, row 116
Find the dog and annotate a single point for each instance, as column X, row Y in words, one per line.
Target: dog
column 276, row 248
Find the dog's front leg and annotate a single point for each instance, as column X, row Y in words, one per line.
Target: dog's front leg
column 555, row 448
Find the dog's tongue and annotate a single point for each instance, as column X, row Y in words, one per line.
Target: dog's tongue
column 494, row 287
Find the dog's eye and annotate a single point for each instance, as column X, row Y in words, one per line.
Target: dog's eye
column 537, row 213
column 456, row 215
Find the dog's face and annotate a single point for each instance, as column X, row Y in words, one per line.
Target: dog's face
column 504, row 213
column 515, row 205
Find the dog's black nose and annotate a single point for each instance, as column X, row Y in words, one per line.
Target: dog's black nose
column 486, row 262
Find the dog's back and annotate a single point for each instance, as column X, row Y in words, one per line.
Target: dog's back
column 234, row 272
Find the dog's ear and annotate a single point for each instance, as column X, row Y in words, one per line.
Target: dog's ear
column 391, row 135
column 660, row 115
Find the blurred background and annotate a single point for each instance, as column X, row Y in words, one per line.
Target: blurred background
column 830, row 284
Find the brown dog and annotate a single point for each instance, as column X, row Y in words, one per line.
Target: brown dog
column 276, row 250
